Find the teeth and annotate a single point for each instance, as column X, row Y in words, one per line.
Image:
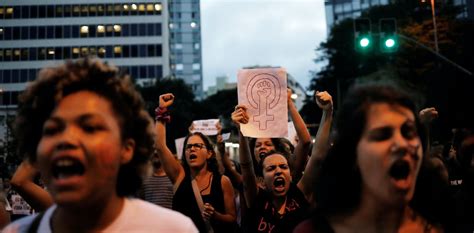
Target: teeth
column 64, row 163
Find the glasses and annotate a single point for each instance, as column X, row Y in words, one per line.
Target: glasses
column 198, row 146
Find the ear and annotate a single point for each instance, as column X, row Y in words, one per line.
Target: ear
column 128, row 149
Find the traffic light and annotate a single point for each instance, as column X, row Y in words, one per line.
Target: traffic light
column 388, row 35
column 362, row 35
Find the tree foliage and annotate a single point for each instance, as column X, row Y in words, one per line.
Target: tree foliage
column 412, row 66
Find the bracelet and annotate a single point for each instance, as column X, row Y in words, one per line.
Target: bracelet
column 163, row 115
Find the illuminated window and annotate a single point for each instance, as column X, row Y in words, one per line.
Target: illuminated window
column 196, row 66
column 50, row 51
column 117, row 28
column 171, row 25
column 76, row 10
column 2, row 12
column 193, row 24
column 75, row 50
column 158, row 7
column 84, row 29
column 179, row 66
column 93, row 9
column 101, row 51
column 179, row 46
column 84, row 51
column 149, row 8
column 141, row 7
column 196, row 46
column 100, row 29
column 9, row 10
column 117, row 49
column 125, row 7
column 117, row 9
column 16, row 52
column 100, row 9
column 1, row 31
column 134, row 7
column 84, row 10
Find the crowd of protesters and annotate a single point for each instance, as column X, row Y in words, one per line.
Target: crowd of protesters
column 95, row 161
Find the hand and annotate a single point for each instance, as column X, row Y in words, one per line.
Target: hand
column 166, row 100
column 427, row 115
column 219, row 128
column 191, row 128
column 240, row 116
column 208, row 211
column 324, row 100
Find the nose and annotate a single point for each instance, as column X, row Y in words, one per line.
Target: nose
column 67, row 139
column 401, row 145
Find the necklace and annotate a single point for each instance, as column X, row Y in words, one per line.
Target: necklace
column 208, row 185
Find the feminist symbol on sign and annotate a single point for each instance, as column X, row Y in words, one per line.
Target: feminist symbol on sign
column 263, row 93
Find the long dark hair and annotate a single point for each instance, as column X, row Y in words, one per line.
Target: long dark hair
column 338, row 188
column 211, row 162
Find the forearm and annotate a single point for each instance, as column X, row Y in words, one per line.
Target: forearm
column 300, row 126
column 248, row 173
column 229, row 218
column 170, row 165
column 320, row 149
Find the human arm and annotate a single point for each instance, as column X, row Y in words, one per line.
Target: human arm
column 23, row 183
column 427, row 115
column 304, row 142
column 220, row 149
column 229, row 204
column 4, row 214
column 172, row 168
column 234, row 176
column 240, row 116
column 321, row 145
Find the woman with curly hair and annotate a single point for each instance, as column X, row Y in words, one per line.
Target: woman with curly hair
column 84, row 126
column 210, row 203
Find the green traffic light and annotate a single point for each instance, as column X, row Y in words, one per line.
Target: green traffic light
column 364, row 42
column 389, row 43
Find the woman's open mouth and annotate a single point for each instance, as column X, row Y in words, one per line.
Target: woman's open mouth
column 400, row 170
column 279, row 184
column 67, row 167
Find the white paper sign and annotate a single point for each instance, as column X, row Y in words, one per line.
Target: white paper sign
column 291, row 133
column 206, row 127
column 263, row 91
column 179, row 143
column 225, row 136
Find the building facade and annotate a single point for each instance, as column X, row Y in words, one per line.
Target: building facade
column 185, row 43
column 338, row 10
column 133, row 35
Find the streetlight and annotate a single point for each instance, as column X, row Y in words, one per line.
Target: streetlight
column 433, row 15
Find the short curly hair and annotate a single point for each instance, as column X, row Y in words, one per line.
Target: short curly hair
column 40, row 99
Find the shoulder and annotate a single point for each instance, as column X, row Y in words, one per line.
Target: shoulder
column 156, row 218
column 20, row 225
column 225, row 181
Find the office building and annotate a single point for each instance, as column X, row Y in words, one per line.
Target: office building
column 33, row 34
column 185, row 43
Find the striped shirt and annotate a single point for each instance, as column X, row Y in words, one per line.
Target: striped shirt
column 157, row 190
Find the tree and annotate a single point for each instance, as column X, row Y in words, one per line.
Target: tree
column 412, row 66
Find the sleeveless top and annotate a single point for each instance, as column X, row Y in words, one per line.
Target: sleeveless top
column 185, row 202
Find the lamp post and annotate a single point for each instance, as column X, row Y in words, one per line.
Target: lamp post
column 435, row 32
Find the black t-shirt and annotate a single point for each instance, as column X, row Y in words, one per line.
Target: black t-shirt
column 265, row 218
